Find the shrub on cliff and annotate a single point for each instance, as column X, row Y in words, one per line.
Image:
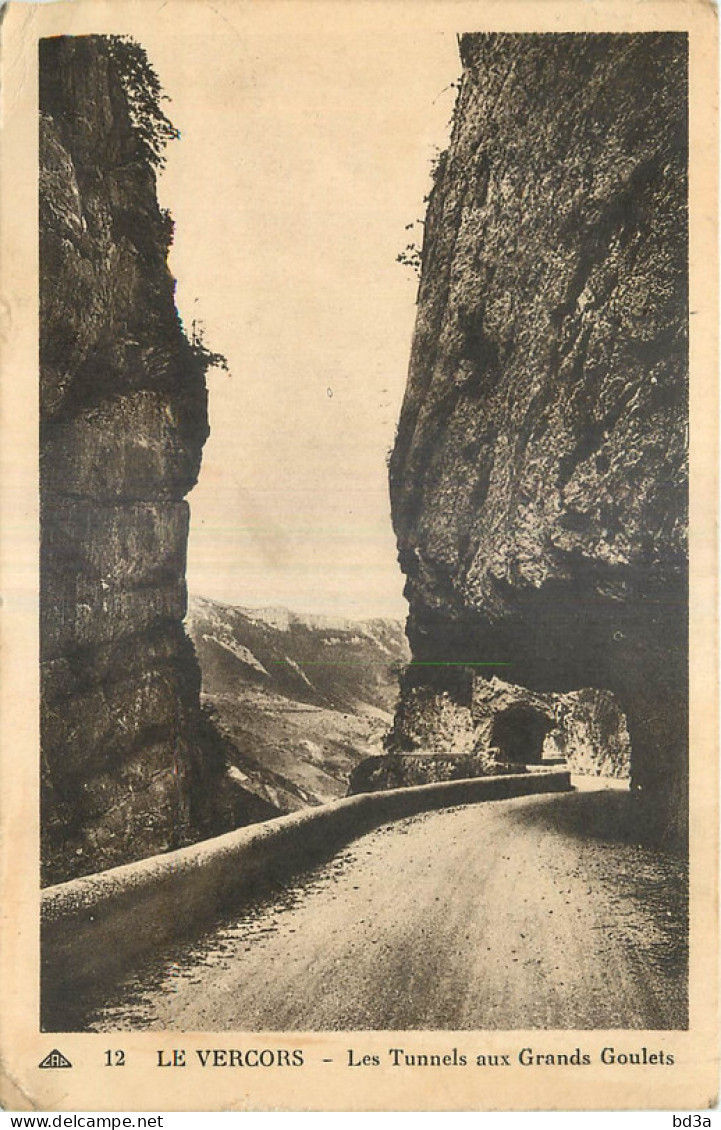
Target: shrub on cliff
column 142, row 86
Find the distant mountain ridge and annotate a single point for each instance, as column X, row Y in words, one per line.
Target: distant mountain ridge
column 324, row 660
column 282, row 618
column 302, row 698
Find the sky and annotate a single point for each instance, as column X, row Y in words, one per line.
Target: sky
column 301, row 160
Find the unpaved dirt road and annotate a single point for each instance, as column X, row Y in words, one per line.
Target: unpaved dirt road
column 532, row 912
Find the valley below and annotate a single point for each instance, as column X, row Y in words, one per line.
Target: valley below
column 300, row 700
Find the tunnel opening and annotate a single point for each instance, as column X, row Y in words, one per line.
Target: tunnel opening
column 518, row 734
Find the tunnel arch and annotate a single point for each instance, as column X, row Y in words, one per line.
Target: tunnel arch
column 518, row 733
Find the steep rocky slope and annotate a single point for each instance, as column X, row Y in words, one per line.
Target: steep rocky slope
column 123, row 421
column 301, row 699
column 539, row 478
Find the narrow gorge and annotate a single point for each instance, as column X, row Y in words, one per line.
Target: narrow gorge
column 538, row 479
column 461, row 824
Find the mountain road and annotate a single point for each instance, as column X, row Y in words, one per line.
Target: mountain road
column 534, row 912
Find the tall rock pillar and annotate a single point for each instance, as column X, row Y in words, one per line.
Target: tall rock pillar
column 123, row 422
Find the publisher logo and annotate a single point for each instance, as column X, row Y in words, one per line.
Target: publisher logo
column 55, row 1059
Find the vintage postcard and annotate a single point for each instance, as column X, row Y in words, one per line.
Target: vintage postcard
column 358, row 555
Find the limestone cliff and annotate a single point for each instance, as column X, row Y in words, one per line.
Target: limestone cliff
column 123, row 422
column 539, row 478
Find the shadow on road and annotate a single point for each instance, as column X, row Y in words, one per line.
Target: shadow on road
column 612, row 815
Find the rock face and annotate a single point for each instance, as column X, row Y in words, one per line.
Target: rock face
column 539, row 478
column 591, row 733
column 123, row 421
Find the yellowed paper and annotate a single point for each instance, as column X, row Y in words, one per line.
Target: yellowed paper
column 310, row 138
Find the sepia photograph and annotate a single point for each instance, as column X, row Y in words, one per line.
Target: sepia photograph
column 364, row 593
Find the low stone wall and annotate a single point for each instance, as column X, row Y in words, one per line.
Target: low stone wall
column 95, row 926
column 404, row 770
